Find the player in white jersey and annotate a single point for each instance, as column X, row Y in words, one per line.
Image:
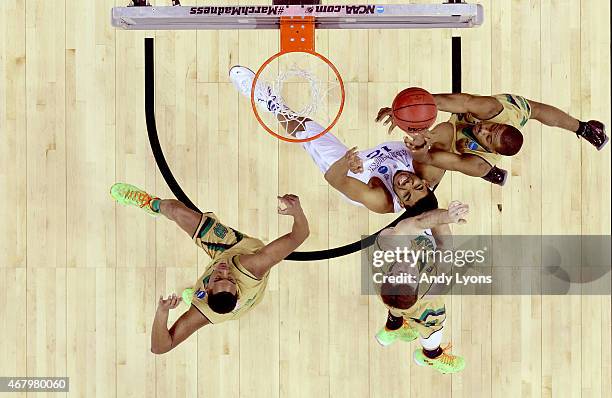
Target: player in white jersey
column 384, row 179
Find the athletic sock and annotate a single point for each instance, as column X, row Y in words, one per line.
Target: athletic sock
column 496, row 176
column 394, row 322
column 155, row 203
column 433, row 354
column 431, row 345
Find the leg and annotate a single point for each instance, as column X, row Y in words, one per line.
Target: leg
column 433, row 355
column 242, row 78
column 183, row 216
column 496, row 176
column 395, row 329
column 394, row 322
column 172, row 209
column 554, row 117
column 293, row 126
column 593, row 131
column 431, row 330
column 325, row 150
column 431, row 344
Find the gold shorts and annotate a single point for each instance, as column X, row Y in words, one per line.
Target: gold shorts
column 516, row 110
column 216, row 238
column 426, row 316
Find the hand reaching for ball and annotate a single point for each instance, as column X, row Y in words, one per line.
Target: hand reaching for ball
column 419, row 146
column 387, row 114
column 413, row 109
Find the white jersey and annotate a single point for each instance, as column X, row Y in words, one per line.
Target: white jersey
column 383, row 162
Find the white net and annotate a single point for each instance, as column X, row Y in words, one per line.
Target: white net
column 299, row 87
column 316, row 97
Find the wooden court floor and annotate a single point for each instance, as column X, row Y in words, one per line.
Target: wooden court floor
column 80, row 277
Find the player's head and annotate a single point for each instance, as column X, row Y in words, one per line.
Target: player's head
column 498, row 138
column 401, row 296
column 409, row 188
column 429, row 202
column 222, row 289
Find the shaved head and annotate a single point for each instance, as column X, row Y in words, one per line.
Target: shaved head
column 510, row 141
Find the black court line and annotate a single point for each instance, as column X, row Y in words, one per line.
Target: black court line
column 152, row 127
column 456, row 57
column 178, row 192
column 456, row 64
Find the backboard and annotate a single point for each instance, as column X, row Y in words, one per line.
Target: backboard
column 364, row 16
column 303, row 84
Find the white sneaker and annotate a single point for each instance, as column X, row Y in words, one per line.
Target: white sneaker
column 243, row 77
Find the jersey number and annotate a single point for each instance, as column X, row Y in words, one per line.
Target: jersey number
column 377, row 153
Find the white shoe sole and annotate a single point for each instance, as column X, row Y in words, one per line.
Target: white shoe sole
column 238, row 74
column 414, row 358
column 381, row 343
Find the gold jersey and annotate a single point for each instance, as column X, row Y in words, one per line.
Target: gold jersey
column 516, row 112
column 223, row 243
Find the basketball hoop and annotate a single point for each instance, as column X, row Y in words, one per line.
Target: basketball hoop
column 293, row 65
column 294, row 71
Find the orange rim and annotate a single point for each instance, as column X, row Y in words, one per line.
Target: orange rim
column 272, row 132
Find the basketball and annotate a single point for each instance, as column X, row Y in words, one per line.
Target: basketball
column 414, row 108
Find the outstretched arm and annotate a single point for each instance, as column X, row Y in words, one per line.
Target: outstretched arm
column 468, row 164
column 274, row 252
column 438, row 221
column 443, row 235
column 483, row 107
column 471, row 165
column 432, row 219
column 164, row 340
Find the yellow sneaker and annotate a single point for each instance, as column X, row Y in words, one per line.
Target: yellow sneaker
column 129, row 195
column 444, row 363
column 187, row 296
column 189, row 293
column 387, row 337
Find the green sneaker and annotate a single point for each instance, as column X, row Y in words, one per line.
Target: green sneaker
column 187, row 296
column 387, row 337
column 129, row 195
column 445, row 363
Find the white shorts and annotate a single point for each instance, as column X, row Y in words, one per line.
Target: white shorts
column 325, row 150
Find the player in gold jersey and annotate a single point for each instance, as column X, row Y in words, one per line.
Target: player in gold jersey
column 416, row 309
column 235, row 280
column 484, row 128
